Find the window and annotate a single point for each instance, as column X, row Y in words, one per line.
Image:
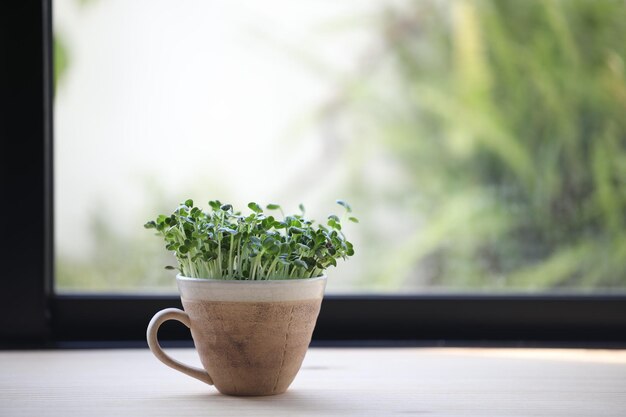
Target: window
column 56, row 316
column 482, row 154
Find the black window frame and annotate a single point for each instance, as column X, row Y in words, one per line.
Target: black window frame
column 33, row 315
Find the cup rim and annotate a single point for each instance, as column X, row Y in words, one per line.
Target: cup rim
column 183, row 278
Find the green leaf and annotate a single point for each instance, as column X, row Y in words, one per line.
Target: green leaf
column 301, row 207
column 353, row 219
column 334, row 224
column 345, row 205
column 150, row 225
column 273, row 250
column 255, row 207
column 269, row 242
column 189, row 202
column 350, row 249
column 169, row 267
column 273, row 207
column 300, row 263
column 293, row 221
column 226, row 207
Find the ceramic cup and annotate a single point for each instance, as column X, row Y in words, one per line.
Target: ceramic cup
column 251, row 336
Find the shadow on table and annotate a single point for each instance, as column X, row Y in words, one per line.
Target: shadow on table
column 314, row 402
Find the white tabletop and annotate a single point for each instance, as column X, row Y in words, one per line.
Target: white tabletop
column 332, row 382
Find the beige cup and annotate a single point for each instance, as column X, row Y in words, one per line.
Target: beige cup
column 251, row 336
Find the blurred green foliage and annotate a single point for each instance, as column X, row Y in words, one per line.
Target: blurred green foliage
column 509, row 120
column 505, row 124
column 118, row 263
column 61, row 59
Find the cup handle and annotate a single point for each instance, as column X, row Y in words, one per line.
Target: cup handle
column 153, row 328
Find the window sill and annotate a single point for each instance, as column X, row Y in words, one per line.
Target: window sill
column 360, row 382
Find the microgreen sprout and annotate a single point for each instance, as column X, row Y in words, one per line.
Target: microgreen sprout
column 224, row 244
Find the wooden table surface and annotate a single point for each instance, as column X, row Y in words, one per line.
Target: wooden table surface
column 332, row 382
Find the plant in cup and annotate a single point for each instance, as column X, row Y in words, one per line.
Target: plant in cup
column 251, row 286
column 224, row 244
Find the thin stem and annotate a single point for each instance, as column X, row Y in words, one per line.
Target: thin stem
column 230, row 256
